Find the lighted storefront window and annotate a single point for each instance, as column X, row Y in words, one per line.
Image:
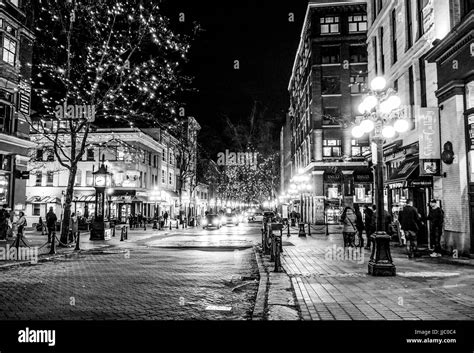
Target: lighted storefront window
column 4, row 186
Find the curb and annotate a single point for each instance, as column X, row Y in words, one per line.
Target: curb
column 260, row 301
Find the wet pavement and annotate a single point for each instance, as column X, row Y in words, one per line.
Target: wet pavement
column 184, row 274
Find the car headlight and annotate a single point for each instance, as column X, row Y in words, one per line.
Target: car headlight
column 215, row 222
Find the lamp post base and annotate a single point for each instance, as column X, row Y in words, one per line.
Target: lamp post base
column 380, row 263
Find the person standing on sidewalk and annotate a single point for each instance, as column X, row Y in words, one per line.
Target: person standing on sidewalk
column 349, row 219
column 436, row 218
column 368, row 215
column 165, row 217
column 21, row 224
column 409, row 219
column 74, row 226
column 359, row 224
column 4, row 217
column 51, row 220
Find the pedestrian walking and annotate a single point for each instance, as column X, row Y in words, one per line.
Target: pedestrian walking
column 368, row 223
column 74, row 226
column 21, row 224
column 51, row 220
column 436, row 218
column 165, row 217
column 409, row 219
column 4, row 217
column 359, row 224
column 349, row 220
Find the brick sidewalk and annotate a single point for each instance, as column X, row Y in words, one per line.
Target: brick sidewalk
column 332, row 288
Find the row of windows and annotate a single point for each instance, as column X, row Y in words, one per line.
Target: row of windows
column 332, row 84
column 331, row 54
column 333, row 148
column 331, row 24
column 47, row 154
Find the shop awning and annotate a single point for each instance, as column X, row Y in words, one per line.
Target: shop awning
column 84, row 198
column 44, row 199
column 122, row 199
column 409, row 168
column 140, row 199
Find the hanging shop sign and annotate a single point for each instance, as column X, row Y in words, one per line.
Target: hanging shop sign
column 363, row 176
column 25, row 98
column 420, row 183
column 332, row 176
column 470, row 129
column 430, row 167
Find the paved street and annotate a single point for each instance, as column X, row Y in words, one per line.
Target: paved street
column 176, row 275
column 331, row 288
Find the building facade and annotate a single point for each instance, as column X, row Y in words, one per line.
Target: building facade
column 454, row 57
column 399, row 37
column 144, row 172
column 327, row 84
column 15, row 93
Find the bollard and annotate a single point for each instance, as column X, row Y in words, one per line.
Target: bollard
column 126, row 232
column 170, row 224
column 113, row 232
column 122, row 234
column 144, row 225
column 155, row 225
column 301, row 232
column 273, row 249
column 177, row 223
column 77, row 240
column 309, row 229
column 288, row 229
column 278, row 245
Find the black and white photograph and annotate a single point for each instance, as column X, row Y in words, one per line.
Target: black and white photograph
column 250, row 176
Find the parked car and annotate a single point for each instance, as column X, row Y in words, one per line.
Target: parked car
column 211, row 220
column 258, row 217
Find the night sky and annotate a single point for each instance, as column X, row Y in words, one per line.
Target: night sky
column 259, row 35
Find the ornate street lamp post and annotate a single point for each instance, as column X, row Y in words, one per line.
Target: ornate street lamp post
column 381, row 118
column 100, row 229
column 301, row 184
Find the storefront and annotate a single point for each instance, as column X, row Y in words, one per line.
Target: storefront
column 363, row 186
column 333, row 186
column 406, row 183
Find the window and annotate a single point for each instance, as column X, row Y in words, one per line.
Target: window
column 36, row 209
column 330, row 115
column 420, row 5
column 163, row 156
column 171, row 157
column 393, row 20
column 329, row 24
column 409, row 24
column 50, row 155
column 376, row 60
column 78, row 180
column 39, row 178
column 330, row 54
column 49, row 178
column 39, row 155
column 163, row 176
column 89, row 178
column 330, row 85
column 359, row 147
column 382, row 55
column 423, row 82
column 90, row 154
column 332, row 148
column 411, row 86
column 358, row 83
column 154, row 161
column 357, row 23
column 358, row 53
column 5, row 118
column 171, row 178
column 9, row 51
column 149, row 158
column 374, row 10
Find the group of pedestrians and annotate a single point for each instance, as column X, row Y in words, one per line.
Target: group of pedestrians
column 354, row 225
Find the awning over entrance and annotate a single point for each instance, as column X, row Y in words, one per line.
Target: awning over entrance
column 409, row 168
column 84, row 198
column 407, row 175
column 44, row 199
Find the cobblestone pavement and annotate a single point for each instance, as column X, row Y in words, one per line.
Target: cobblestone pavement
column 142, row 278
column 331, row 287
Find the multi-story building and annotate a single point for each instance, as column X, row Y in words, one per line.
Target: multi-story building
column 285, row 166
column 144, row 171
column 454, row 57
column 15, row 92
column 327, row 83
column 400, row 35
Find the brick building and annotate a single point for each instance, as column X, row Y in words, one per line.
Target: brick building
column 327, row 84
column 15, row 93
column 454, row 57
